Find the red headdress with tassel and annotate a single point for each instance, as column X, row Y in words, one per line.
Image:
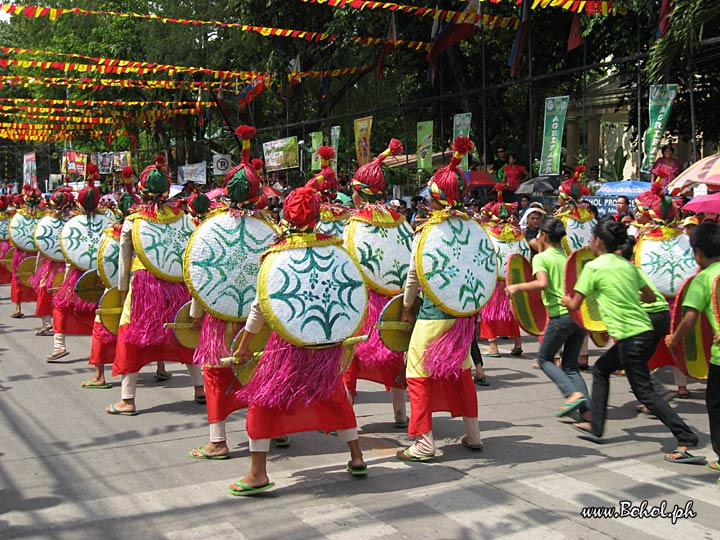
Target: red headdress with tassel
column 656, row 204
column 242, row 183
column 325, row 181
column 447, row 185
column 154, row 182
column 369, row 180
column 89, row 196
column 572, row 189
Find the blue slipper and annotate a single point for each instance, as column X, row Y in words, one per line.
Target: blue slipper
column 570, row 407
column 248, row 490
column 115, row 410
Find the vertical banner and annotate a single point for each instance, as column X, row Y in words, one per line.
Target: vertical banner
column 555, row 111
column 424, row 144
column 335, row 143
column 30, row 169
column 316, row 140
column 461, row 128
column 363, row 128
column 661, row 100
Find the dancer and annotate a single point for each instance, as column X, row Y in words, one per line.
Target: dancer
column 439, row 363
column 299, row 387
column 380, row 241
column 548, row 268
column 149, row 300
column 5, row 214
column 29, row 210
column 615, row 284
column 701, row 294
column 332, row 216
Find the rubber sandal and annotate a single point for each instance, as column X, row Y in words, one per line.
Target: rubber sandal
column 517, row 351
column 200, row 400
column 159, row 377
column 281, row 442
column 491, row 354
column 114, row 410
column 584, row 367
column 466, row 444
column 92, row 386
column 401, row 424
column 715, row 469
column 44, row 332
column 357, row 471
column 588, row 434
column 17, row 315
column 685, row 395
column 482, row 381
column 248, row 490
column 56, row 356
column 405, row 455
column 205, row 455
column 685, row 457
column 570, row 407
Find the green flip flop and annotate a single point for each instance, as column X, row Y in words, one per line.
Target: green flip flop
column 248, row 490
column 570, row 407
column 715, row 469
column 685, row 457
column 587, row 434
column 95, row 386
column 205, row 455
column 56, row 356
column 357, row 471
column 281, row 442
column 405, row 455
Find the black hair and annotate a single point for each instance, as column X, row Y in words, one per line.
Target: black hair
column 667, row 147
column 627, row 201
column 592, row 209
column 612, row 233
column 626, row 250
column 554, row 229
column 706, row 238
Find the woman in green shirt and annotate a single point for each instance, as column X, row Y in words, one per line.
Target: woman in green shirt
column 620, row 291
column 548, row 267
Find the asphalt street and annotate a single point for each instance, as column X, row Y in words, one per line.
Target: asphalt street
column 68, row 470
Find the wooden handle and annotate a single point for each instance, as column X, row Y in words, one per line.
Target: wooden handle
column 178, row 326
column 393, row 325
column 349, row 342
column 109, row 311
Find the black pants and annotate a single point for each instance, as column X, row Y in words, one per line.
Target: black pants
column 632, row 355
column 712, row 400
column 475, row 354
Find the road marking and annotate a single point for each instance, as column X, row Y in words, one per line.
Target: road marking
column 224, row 530
column 343, row 521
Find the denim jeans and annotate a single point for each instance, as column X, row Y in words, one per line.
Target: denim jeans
column 563, row 332
column 632, row 355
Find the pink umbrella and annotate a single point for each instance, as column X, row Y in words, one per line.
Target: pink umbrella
column 705, row 171
column 215, row 193
column 708, row 204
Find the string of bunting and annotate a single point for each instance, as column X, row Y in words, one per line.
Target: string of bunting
column 99, row 83
column 101, row 103
column 295, row 76
column 144, row 115
column 266, row 31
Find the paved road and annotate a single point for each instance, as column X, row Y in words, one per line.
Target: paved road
column 68, row 470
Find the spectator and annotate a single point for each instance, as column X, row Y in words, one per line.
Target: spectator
column 666, row 167
column 530, row 225
column 513, row 174
column 524, row 204
column 501, row 160
column 403, row 207
column 689, row 225
column 628, row 219
column 622, row 206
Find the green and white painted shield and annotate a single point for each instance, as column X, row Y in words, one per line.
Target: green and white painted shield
column 21, row 231
column 312, row 295
column 222, row 261
column 667, row 260
column 4, row 229
column 108, row 257
column 577, row 233
column 331, row 228
column 382, row 253
column 503, row 250
column 161, row 246
column 456, row 266
column 80, row 239
column 47, row 237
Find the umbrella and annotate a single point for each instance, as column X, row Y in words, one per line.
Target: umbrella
column 539, row 184
column 479, row 178
column 626, row 187
column 344, row 199
column 270, row 192
column 705, row 171
column 708, row 204
column 215, row 193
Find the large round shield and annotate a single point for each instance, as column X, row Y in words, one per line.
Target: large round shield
column 588, row 316
column 667, row 258
column 222, row 261
column 47, row 237
column 21, row 231
column 332, row 220
column 80, row 239
column 394, row 333
column 456, row 265
column 578, row 233
column 110, row 310
column 382, row 253
column 7, row 261
column 528, row 307
column 4, row 229
column 90, row 287
column 26, row 269
column 57, row 282
column 692, row 354
column 108, row 257
column 504, row 249
column 160, row 246
column 312, row 295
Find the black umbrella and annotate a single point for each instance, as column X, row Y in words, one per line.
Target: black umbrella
column 539, row 184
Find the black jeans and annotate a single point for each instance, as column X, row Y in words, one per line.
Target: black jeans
column 712, row 400
column 632, row 355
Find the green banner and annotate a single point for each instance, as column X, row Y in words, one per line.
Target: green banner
column 661, row 100
column 555, row 111
column 335, row 143
column 424, row 144
column 316, row 140
column 461, row 128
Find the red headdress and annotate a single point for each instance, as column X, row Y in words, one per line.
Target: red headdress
column 325, row 181
column 369, row 180
column 656, row 204
column 242, row 183
column 301, row 208
column 5, row 202
column 447, row 185
column 572, row 189
column 89, row 196
column 154, row 182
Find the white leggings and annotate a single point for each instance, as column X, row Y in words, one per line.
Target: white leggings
column 58, row 342
column 129, row 381
column 424, row 444
column 217, row 432
column 263, row 445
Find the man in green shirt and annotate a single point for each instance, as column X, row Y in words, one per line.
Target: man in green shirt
column 705, row 241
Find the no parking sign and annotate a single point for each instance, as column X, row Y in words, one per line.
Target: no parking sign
column 221, row 164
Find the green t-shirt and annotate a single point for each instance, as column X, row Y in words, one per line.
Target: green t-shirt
column 699, row 296
column 616, row 283
column 660, row 304
column 552, row 262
